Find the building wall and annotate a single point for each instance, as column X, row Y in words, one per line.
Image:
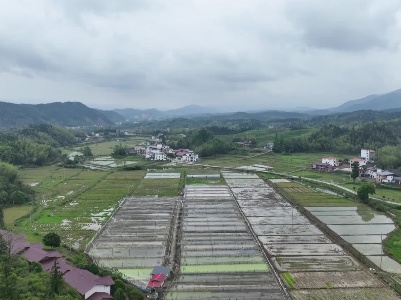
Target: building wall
column 97, row 289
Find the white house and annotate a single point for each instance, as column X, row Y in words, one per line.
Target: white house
column 332, row 161
column 361, row 161
column 385, row 176
column 190, row 156
column 368, row 154
column 159, row 156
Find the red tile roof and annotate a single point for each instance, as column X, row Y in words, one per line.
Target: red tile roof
column 157, row 281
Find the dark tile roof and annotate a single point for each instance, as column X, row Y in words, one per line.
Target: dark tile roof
column 161, row 270
column 83, row 280
column 80, row 279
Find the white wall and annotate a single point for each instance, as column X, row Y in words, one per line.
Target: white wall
column 98, row 289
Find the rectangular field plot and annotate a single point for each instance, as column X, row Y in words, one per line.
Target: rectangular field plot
column 304, row 249
column 364, row 239
column 369, row 249
column 267, row 203
column 284, row 220
column 219, row 257
column 294, row 239
column 137, row 235
column 226, row 286
column 350, row 279
column 386, row 263
column 162, row 175
column 345, row 294
column 373, row 219
column 362, row 229
column 316, row 263
column 286, row 229
column 252, row 193
column 222, row 268
column 257, row 211
column 233, row 175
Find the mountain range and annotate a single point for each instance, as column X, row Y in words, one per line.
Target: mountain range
column 77, row 114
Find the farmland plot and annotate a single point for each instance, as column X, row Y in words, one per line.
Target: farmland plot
column 307, row 259
column 136, row 237
column 364, row 228
column 219, row 257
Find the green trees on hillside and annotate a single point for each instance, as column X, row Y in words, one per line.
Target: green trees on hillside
column 12, row 190
column 34, row 145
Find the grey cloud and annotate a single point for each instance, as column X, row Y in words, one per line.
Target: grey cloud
column 21, row 58
column 344, row 25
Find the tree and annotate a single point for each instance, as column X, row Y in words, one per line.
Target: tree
column 119, row 151
column 56, row 279
column 364, row 191
column 355, row 170
column 87, row 151
column 51, row 239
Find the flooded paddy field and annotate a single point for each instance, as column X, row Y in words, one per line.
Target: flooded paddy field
column 136, row 237
column 316, row 263
column 364, row 228
column 308, row 261
column 345, row 294
column 219, row 257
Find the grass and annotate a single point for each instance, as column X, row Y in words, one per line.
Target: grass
column 107, row 147
column 209, row 181
column 12, row 214
column 223, row 268
column 382, row 193
column 309, row 197
column 136, row 273
column 289, row 279
column 69, row 200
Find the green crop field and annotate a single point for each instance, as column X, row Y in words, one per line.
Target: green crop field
column 11, row 214
column 107, row 147
column 223, row 268
column 75, row 202
column 382, row 193
column 310, row 197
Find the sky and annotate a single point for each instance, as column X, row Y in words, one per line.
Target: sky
column 224, row 54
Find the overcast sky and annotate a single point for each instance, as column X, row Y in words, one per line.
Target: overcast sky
column 226, row 54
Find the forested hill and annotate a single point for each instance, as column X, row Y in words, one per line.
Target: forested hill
column 35, row 144
column 61, row 113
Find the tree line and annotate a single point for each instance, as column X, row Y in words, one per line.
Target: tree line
column 384, row 137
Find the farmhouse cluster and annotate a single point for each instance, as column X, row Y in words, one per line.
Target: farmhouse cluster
column 87, row 284
column 367, row 168
column 161, row 152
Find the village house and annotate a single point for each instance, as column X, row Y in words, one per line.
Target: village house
column 186, row 155
column 87, row 284
column 361, row 161
column 269, row 145
column 385, row 176
column 332, row 161
column 322, row 167
column 368, row 155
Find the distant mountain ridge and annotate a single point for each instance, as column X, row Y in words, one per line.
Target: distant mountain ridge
column 188, row 110
column 391, row 100
column 60, row 113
